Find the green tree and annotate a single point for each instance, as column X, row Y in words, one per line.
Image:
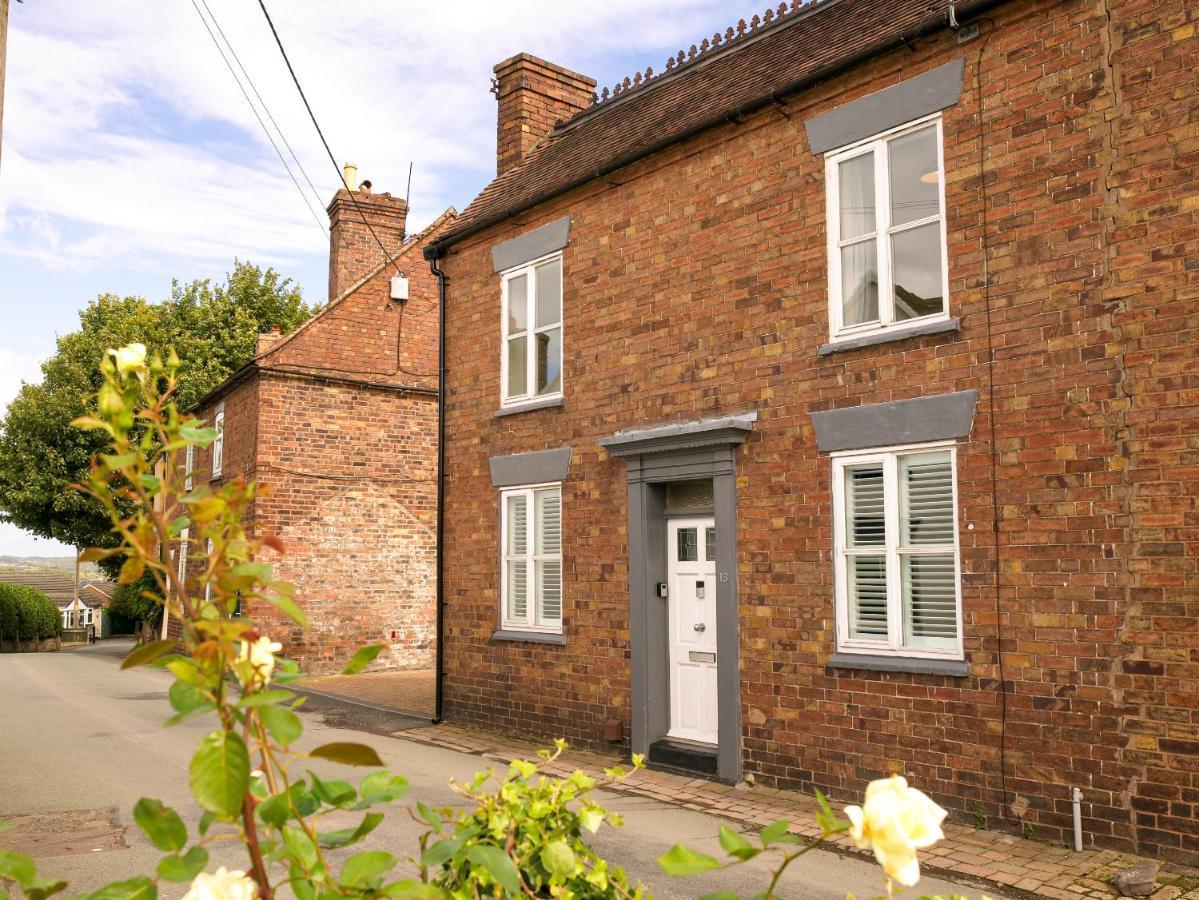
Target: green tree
column 214, row 327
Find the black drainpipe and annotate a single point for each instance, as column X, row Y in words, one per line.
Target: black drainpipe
column 432, row 254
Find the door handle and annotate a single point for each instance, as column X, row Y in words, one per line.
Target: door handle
column 699, row 626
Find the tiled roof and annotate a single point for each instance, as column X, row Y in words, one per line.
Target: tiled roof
column 61, row 588
column 793, row 50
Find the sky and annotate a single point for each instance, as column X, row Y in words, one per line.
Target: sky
column 131, row 158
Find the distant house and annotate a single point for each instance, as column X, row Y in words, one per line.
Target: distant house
column 86, row 609
column 339, row 420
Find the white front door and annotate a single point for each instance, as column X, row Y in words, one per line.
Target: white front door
column 691, row 570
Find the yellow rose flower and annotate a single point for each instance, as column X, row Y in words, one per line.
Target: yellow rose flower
column 223, row 884
column 260, row 655
column 129, row 358
column 895, row 821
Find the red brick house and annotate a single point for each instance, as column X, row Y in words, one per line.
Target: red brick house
column 826, row 404
column 339, row 420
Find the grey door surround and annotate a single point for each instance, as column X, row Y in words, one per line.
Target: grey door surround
column 655, row 456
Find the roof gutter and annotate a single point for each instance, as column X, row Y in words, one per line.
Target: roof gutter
column 436, row 249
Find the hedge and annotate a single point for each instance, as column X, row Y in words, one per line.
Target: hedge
column 26, row 613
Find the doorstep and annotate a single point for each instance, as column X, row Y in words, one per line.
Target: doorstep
column 995, row 859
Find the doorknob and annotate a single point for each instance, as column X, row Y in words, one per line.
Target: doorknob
column 700, row 626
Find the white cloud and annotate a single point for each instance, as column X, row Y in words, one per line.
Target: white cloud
column 127, row 142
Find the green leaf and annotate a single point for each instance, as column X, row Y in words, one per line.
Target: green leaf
column 773, row 832
column 185, row 697
column 682, row 862
column 276, row 810
column 441, row 852
column 140, row 888
column 333, row 791
column 382, row 787
column 559, row 860
column 498, row 864
column 300, row 848
column 431, row 818
column 343, row 837
column 347, row 753
column 363, row 658
column 288, row 607
column 146, row 654
column 41, row 888
column 367, row 868
column 220, row 773
column 183, row 868
column 591, row 818
column 17, row 866
column 283, row 724
column 161, row 824
column 262, row 698
column 206, row 821
column 301, row 885
column 720, row 895
column 736, row 845
column 194, row 434
column 411, row 889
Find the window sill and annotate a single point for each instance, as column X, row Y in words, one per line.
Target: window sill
column 530, row 637
column 545, row 403
column 956, row 668
column 874, row 338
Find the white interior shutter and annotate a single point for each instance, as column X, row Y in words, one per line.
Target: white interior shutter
column 549, row 556
column 517, row 557
column 927, row 548
column 866, row 572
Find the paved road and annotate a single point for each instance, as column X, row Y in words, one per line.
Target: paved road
column 78, row 734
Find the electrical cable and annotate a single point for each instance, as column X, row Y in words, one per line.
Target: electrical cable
column 299, row 165
column 262, row 124
column 341, row 175
column 995, row 517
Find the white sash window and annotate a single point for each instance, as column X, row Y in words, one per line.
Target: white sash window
column 897, row 561
column 531, row 586
column 531, row 359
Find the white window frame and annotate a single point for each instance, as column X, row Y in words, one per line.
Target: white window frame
column 189, row 464
column 184, row 537
column 894, row 645
column 530, row 355
column 218, row 445
column 531, row 625
column 208, row 584
column 882, row 201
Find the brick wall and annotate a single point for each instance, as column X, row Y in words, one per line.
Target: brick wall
column 695, row 284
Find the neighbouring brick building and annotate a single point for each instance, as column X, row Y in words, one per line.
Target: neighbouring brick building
column 338, row 420
column 827, row 405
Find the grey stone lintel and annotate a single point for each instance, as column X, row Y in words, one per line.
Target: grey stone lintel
column 539, row 467
column 531, row 245
column 889, row 108
column 731, row 429
column 937, row 418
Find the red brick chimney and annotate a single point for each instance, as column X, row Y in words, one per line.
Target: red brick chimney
column 353, row 250
column 534, row 95
column 267, row 339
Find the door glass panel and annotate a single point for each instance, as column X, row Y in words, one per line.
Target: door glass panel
column 710, row 548
column 856, row 185
column 859, row 283
column 518, row 304
column 549, row 293
column 549, row 361
column 518, row 366
column 916, row 259
column 688, row 545
column 915, row 176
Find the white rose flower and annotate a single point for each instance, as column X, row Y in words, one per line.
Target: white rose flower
column 895, row 821
column 129, row 358
column 260, row 654
column 222, row 884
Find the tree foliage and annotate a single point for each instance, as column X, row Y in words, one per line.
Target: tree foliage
column 213, row 327
column 26, row 613
column 137, row 602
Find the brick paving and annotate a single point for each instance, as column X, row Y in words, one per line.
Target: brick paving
column 409, row 691
column 1003, row 861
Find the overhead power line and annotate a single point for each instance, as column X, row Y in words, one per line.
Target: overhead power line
column 254, row 109
column 308, row 106
column 266, row 109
